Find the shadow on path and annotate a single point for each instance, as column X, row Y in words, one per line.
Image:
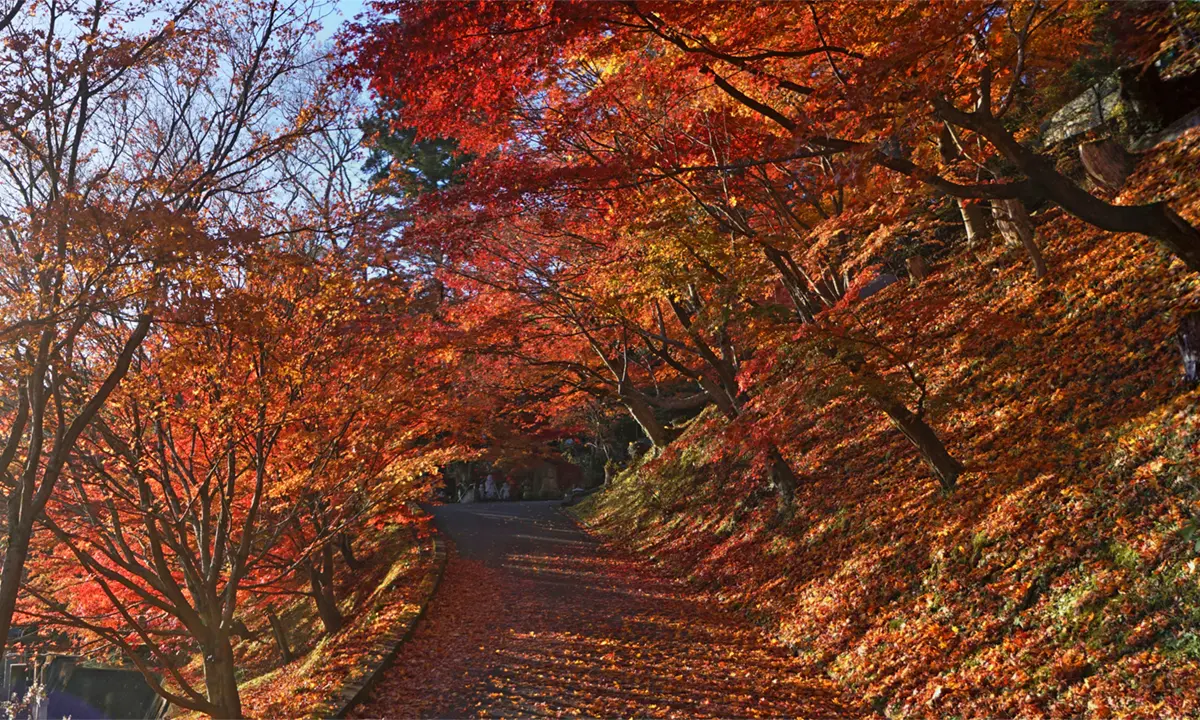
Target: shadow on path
column 533, row 618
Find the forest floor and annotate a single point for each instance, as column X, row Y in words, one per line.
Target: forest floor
column 534, row 618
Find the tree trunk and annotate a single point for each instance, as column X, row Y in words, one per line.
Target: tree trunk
column 27, row 500
column 1107, row 162
column 281, row 638
column 1156, row 220
column 1188, row 338
column 1014, row 224
column 645, row 417
column 975, row 220
column 947, row 147
column 220, row 678
column 783, row 479
column 719, row 395
column 320, row 579
column 945, row 468
column 918, row 268
column 242, row 630
column 347, row 550
column 10, row 581
column 331, row 616
column 722, row 367
column 804, row 304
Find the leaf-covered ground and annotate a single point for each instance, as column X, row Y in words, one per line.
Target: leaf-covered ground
column 1062, row 578
column 539, row 621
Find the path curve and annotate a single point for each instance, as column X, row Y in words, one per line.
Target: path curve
column 533, row 618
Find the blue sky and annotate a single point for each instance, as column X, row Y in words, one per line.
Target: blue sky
column 346, row 10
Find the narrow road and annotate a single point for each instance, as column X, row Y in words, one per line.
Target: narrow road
column 533, row 618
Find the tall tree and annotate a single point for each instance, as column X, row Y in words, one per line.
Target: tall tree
column 128, row 154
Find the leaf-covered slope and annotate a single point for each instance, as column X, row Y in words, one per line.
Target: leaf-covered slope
column 1061, row 577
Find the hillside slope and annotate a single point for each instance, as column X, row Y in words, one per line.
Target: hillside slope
column 1061, row 578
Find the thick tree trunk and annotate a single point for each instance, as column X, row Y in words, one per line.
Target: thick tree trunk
column 947, row 147
column 320, row 580
column 327, row 608
column 1156, row 220
column 1107, row 162
column 220, row 678
column 945, row 468
column 975, row 221
column 641, row 411
column 281, row 638
column 1014, row 224
column 719, row 395
column 10, row 582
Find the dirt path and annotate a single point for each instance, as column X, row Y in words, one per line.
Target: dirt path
column 533, row 618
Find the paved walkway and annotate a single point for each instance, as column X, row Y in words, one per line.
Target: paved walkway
column 534, row 619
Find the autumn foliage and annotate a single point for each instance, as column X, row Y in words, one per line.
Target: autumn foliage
column 672, row 206
column 898, row 372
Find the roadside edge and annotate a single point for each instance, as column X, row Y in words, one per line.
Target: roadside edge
column 386, row 649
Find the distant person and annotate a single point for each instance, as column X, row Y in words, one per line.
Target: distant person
column 490, row 491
